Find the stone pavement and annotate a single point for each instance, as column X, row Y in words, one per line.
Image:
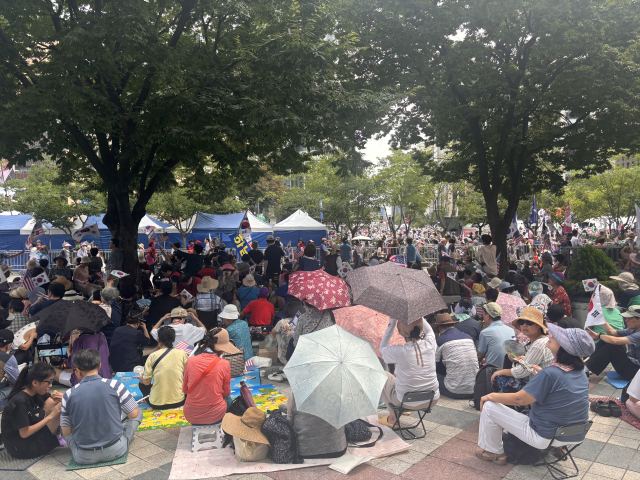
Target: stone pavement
column 611, row 451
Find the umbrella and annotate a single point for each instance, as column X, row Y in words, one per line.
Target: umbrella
column 367, row 324
column 361, row 237
column 336, row 376
column 68, row 315
column 509, row 304
column 402, row 293
column 319, row 289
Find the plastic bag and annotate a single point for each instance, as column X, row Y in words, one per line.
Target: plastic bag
column 261, row 362
column 250, row 451
column 270, row 342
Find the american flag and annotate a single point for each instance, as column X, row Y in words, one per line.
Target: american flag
column 299, row 253
column 27, row 282
column 163, row 238
column 248, row 366
column 399, row 259
column 184, row 346
column 148, row 230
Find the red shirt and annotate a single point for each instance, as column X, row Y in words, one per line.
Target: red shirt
column 192, row 289
column 208, row 272
column 206, row 403
column 261, row 311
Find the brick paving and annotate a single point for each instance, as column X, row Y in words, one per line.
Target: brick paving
column 611, row 451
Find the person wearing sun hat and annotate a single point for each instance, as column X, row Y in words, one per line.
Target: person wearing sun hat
column 558, row 395
column 207, row 300
column 248, row 428
column 531, row 323
column 456, row 362
column 627, row 284
column 248, row 292
column 238, row 330
column 185, row 332
column 207, row 380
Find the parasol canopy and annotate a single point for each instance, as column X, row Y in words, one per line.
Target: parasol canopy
column 367, row 324
column 319, row 289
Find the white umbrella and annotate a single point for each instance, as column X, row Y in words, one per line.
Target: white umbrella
column 335, row 375
column 361, row 237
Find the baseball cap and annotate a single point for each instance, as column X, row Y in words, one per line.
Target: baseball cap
column 633, row 311
column 269, row 238
column 493, row 309
column 263, row 292
column 6, row 337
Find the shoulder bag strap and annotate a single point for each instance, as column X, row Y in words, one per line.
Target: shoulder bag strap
column 161, row 357
column 207, row 370
column 370, row 444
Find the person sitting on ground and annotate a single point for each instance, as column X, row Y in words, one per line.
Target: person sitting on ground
column 308, row 262
column 208, row 301
column 127, row 299
column 248, row 292
column 96, row 398
column 77, row 343
column 490, row 344
column 127, row 342
column 262, row 311
column 185, row 332
column 244, row 265
column 543, row 274
column 56, row 292
column 633, row 402
column 238, row 330
column 60, row 269
column 456, row 362
column 558, row 395
column 166, row 367
column 558, row 316
column 190, row 284
column 81, row 278
column 531, row 323
column 208, row 271
column 207, row 380
column 611, row 347
column 469, row 325
column 609, row 310
column 31, row 419
column 630, row 291
column 17, row 309
column 8, row 363
column 558, row 294
column 415, row 363
column 161, row 304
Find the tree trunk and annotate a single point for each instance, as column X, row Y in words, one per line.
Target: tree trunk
column 184, row 240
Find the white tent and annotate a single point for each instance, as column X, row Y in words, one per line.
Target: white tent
column 299, row 226
column 146, row 221
column 258, row 225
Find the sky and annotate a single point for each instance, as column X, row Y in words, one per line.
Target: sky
column 375, row 149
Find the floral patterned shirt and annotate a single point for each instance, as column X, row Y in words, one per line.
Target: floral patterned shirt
column 559, row 297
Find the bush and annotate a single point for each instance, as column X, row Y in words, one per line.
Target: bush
column 591, row 262
column 575, row 288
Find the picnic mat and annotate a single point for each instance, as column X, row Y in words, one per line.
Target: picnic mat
column 267, row 397
column 7, row 462
column 627, row 416
column 130, row 382
column 615, row 379
column 250, row 379
column 220, row 463
column 118, row 461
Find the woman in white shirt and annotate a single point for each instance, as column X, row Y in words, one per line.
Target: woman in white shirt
column 415, row 363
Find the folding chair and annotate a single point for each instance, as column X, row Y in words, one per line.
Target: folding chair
column 413, row 397
column 557, row 441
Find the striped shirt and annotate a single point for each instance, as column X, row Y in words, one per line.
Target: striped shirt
column 93, row 408
column 458, row 353
column 537, row 354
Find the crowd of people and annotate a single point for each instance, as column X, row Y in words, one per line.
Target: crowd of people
column 207, row 298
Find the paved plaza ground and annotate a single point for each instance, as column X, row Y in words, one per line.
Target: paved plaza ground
column 611, row 451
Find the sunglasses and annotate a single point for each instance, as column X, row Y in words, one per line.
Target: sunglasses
column 50, row 382
column 526, row 322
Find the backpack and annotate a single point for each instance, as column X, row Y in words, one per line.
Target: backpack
column 518, row 451
column 283, row 440
column 483, row 384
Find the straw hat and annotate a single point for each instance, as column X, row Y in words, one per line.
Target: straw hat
column 85, row 260
column 248, row 427
column 62, row 280
column 178, row 312
column 19, row 292
column 207, row 285
column 626, row 281
column 223, row 344
column 531, row 314
column 249, row 281
column 445, row 319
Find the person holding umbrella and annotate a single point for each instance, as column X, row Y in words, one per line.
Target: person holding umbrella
column 415, row 363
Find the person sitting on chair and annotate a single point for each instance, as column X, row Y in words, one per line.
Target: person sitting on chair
column 166, row 367
column 558, row 395
column 96, row 398
column 415, row 365
column 207, row 301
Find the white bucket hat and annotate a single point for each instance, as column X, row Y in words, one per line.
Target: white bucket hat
column 230, row 312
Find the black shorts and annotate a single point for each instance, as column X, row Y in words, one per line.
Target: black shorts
column 40, row 443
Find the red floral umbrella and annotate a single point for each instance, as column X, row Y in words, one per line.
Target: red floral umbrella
column 367, row 324
column 319, row 289
column 509, row 304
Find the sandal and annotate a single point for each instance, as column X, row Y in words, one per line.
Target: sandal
column 603, row 409
column 385, row 421
column 491, row 457
column 595, row 405
column 614, row 409
column 276, row 377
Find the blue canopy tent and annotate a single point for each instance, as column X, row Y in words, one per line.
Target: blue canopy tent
column 299, row 225
column 10, row 236
column 226, row 226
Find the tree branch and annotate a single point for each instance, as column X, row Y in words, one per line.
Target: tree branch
column 185, row 15
column 86, row 148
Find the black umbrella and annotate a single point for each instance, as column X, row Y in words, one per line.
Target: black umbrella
column 65, row 316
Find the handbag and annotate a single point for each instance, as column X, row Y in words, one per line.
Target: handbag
column 237, row 362
column 359, row 431
column 282, row 439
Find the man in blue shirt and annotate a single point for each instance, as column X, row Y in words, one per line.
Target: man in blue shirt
column 410, row 251
column 345, row 248
column 91, row 414
column 56, row 292
column 490, row 345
